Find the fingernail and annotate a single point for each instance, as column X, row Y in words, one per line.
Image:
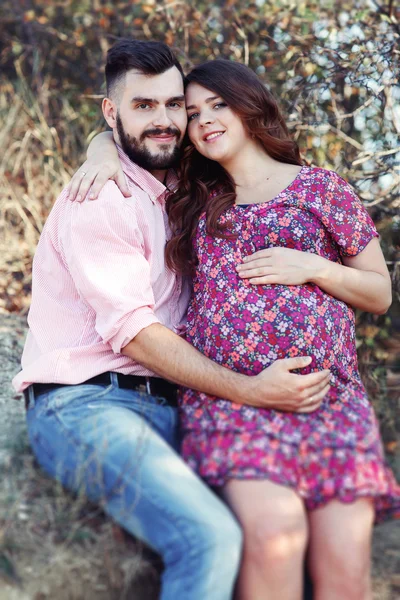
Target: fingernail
column 91, row 196
column 79, row 197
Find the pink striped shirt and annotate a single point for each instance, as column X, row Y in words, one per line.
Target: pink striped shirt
column 99, row 277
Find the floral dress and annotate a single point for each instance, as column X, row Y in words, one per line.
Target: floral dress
column 334, row 452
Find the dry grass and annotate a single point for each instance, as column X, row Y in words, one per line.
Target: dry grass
column 35, row 166
column 55, row 546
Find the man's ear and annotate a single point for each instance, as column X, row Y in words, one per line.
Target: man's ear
column 110, row 112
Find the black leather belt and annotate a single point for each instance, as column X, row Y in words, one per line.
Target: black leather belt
column 154, row 386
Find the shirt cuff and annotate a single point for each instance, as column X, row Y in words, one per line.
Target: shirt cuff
column 138, row 320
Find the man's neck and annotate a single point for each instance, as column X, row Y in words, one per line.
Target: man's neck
column 161, row 175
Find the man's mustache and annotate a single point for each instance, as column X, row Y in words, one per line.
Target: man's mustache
column 168, row 131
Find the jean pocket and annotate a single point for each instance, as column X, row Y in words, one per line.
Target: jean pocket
column 66, row 397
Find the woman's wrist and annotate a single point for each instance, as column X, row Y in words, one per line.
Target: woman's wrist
column 320, row 270
column 103, row 146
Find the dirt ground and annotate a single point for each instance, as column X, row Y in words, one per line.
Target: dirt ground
column 53, row 546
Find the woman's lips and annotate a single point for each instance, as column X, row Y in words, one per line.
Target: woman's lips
column 211, row 137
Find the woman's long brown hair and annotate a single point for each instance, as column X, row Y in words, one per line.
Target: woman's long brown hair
column 204, row 184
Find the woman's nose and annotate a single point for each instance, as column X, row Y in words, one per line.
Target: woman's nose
column 205, row 120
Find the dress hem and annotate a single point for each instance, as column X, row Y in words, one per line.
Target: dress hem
column 382, row 513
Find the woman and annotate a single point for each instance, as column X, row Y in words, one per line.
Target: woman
column 294, row 481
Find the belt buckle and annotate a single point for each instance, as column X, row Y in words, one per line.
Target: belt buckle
column 148, row 387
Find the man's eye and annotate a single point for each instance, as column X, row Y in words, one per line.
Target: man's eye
column 175, row 105
column 143, row 106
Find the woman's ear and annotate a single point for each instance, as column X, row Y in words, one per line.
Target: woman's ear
column 110, row 112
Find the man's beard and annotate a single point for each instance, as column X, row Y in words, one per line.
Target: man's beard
column 138, row 153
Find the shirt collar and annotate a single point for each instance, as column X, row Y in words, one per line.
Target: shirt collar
column 145, row 180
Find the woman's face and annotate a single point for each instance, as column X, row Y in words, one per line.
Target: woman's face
column 214, row 129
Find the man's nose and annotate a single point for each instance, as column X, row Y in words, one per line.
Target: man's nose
column 161, row 118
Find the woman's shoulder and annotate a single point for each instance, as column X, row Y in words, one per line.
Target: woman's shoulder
column 321, row 175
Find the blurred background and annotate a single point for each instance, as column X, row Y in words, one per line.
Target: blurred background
column 334, row 66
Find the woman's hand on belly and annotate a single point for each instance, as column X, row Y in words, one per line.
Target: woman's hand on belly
column 363, row 281
column 284, row 266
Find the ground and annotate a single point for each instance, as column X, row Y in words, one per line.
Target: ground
column 54, row 546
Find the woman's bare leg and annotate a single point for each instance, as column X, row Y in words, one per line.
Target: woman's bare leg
column 340, row 549
column 274, row 524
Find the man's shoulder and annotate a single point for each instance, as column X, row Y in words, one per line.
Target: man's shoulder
column 111, row 211
column 111, row 193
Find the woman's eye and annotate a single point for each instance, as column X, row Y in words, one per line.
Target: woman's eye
column 191, row 117
column 220, row 105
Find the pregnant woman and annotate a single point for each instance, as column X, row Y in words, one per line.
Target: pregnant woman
column 294, row 481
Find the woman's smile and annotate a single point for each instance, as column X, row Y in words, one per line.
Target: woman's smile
column 212, row 137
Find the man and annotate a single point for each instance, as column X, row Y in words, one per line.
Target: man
column 103, row 345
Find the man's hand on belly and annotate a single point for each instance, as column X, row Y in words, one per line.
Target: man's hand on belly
column 276, row 387
column 165, row 353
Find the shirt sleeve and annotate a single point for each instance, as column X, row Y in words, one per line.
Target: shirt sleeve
column 345, row 217
column 107, row 260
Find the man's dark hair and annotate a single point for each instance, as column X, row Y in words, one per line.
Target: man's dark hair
column 151, row 58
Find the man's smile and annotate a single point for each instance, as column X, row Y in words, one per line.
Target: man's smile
column 164, row 137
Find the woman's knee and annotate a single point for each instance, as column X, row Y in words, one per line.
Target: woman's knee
column 275, row 541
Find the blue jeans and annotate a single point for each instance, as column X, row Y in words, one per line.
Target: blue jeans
column 120, row 448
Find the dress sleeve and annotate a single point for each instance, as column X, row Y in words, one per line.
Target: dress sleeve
column 345, row 217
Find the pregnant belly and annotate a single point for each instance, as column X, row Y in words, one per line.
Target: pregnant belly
column 247, row 329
